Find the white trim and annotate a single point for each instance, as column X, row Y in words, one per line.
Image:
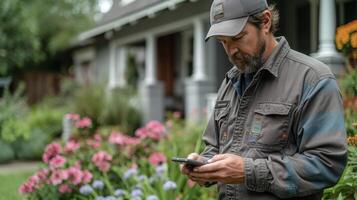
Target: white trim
column 161, row 30
column 128, row 19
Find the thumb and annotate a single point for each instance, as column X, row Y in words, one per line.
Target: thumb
column 217, row 158
column 193, row 156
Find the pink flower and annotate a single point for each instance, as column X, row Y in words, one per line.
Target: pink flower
column 177, row 115
column 72, row 116
column 42, row 174
column 58, row 176
column 101, row 160
column 95, row 142
column 74, row 175
column 64, row 189
column 157, row 158
column 97, row 137
column 71, row 146
column 190, row 183
column 87, row 176
column 51, row 151
column 142, row 133
column 57, row 161
column 84, row 123
column 27, row 187
column 121, row 139
column 154, row 130
column 103, row 166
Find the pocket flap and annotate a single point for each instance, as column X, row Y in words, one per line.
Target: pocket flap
column 221, row 109
column 273, row 109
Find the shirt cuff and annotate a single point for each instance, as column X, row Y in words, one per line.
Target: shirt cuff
column 257, row 175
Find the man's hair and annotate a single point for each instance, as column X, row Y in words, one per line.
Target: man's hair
column 257, row 19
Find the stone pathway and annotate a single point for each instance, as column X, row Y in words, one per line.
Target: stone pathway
column 17, row 166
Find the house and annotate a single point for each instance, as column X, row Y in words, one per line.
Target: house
column 162, row 41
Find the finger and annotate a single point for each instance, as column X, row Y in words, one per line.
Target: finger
column 210, row 167
column 203, row 177
column 217, row 157
column 193, row 156
column 185, row 169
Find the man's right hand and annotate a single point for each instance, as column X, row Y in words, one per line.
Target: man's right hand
column 185, row 169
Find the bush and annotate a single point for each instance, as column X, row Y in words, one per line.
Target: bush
column 32, row 147
column 89, row 101
column 118, row 110
column 13, row 108
column 108, row 107
column 6, row 152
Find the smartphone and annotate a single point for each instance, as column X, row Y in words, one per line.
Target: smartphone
column 189, row 162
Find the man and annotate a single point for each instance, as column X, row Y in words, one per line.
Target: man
column 277, row 130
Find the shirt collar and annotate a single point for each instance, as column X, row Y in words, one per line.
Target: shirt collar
column 275, row 59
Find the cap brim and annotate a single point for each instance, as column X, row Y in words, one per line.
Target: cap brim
column 227, row 28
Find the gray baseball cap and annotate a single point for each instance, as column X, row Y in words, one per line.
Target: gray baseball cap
column 228, row 17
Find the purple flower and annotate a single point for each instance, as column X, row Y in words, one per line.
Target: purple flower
column 169, row 185
column 141, row 178
column 136, row 193
column 152, row 197
column 86, row 190
column 110, row 198
column 97, row 184
column 160, row 170
column 99, row 198
column 119, row 193
column 130, row 172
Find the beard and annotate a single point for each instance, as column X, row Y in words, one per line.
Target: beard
column 247, row 63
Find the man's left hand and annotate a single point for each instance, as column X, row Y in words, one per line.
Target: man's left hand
column 224, row 168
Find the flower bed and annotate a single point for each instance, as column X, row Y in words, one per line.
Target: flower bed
column 113, row 165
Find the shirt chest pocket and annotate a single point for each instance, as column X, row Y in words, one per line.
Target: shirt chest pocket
column 221, row 116
column 270, row 125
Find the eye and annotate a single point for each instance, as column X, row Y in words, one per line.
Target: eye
column 238, row 37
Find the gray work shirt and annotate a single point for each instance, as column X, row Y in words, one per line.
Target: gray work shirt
column 288, row 125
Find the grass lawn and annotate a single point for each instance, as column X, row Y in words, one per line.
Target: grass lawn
column 10, row 183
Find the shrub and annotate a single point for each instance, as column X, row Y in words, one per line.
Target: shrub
column 108, row 107
column 6, row 152
column 32, row 147
column 12, row 116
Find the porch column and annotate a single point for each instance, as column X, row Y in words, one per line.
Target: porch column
column 327, row 52
column 112, row 83
column 151, row 90
column 122, row 65
column 198, row 86
column 199, row 51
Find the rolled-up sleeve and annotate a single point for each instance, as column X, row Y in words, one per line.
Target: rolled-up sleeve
column 321, row 153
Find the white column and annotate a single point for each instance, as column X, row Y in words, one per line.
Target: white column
column 327, row 52
column 151, row 91
column 112, row 67
column 150, row 60
column 122, row 65
column 198, row 51
column 327, row 27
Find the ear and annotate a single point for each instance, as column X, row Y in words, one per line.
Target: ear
column 266, row 22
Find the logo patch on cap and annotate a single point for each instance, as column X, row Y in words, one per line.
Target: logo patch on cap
column 218, row 11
